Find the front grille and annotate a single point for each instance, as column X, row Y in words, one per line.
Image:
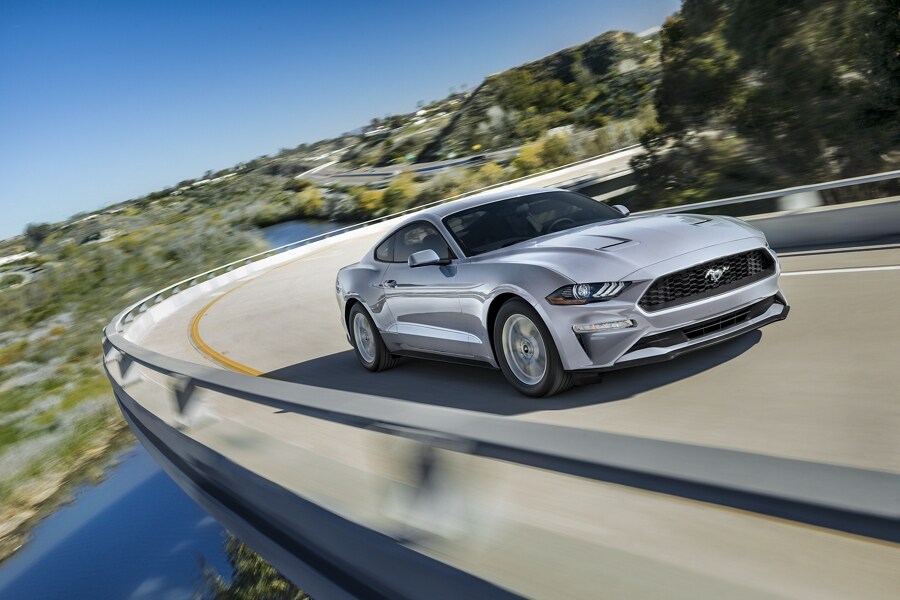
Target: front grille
column 700, row 281
column 715, row 325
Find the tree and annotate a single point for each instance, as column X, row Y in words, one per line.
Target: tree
column 771, row 93
column 549, row 151
column 369, row 201
column 490, row 174
column 699, row 71
column 554, row 151
column 35, row 234
column 309, row 202
column 400, row 191
column 252, row 578
column 297, row 185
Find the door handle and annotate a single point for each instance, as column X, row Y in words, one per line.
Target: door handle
column 390, row 283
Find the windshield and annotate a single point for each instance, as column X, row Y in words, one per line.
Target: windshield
column 499, row 224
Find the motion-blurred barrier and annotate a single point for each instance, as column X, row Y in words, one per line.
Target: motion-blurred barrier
column 425, row 521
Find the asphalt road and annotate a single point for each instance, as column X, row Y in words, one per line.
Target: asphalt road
column 821, row 386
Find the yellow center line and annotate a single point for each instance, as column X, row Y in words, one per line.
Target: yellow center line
column 214, row 355
column 211, row 352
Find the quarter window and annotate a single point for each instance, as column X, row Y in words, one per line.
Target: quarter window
column 385, row 251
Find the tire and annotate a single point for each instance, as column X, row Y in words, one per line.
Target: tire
column 370, row 349
column 526, row 353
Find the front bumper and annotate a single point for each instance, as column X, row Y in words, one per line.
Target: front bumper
column 733, row 313
column 777, row 310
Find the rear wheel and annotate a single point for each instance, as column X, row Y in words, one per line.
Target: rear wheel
column 370, row 348
column 526, row 353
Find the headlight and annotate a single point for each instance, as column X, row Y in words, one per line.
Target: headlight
column 585, row 293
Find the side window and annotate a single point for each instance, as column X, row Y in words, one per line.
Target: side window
column 419, row 236
column 385, row 251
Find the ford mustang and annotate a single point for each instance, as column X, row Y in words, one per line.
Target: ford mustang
column 546, row 284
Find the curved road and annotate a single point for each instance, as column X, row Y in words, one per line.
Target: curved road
column 821, row 386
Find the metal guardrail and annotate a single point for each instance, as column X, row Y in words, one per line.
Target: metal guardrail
column 842, row 498
column 815, row 187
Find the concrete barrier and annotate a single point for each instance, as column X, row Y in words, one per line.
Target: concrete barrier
column 823, row 225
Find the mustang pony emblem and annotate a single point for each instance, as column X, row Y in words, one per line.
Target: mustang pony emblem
column 714, row 275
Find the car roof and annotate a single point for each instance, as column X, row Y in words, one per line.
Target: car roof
column 449, row 208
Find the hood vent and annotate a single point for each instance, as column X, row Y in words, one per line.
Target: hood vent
column 614, row 243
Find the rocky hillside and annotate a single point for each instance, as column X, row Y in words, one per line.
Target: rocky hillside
column 610, row 77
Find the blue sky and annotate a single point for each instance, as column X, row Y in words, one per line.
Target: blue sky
column 105, row 101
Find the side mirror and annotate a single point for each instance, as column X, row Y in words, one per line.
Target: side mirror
column 622, row 209
column 423, row 258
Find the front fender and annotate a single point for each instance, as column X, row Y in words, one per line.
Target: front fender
column 541, row 282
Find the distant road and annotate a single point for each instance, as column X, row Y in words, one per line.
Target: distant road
column 612, row 163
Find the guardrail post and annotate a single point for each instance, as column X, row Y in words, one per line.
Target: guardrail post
column 125, row 371
column 111, row 355
column 183, row 387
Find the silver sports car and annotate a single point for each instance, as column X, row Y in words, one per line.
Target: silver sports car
column 546, row 284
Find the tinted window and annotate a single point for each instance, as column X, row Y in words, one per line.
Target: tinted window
column 416, row 237
column 507, row 222
column 385, row 251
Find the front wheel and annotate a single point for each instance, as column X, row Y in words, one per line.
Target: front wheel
column 526, row 353
column 370, row 348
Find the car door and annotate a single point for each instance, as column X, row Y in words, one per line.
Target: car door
column 424, row 300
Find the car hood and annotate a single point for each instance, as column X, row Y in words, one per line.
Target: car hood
column 626, row 245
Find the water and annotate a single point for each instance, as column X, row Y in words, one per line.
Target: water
column 293, row 231
column 135, row 535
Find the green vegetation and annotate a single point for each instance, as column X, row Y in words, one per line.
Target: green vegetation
column 35, row 233
column 12, row 353
column 761, row 95
column 252, row 578
column 90, row 386
column 610, row 78
column 401, row 138
column 11, row 280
